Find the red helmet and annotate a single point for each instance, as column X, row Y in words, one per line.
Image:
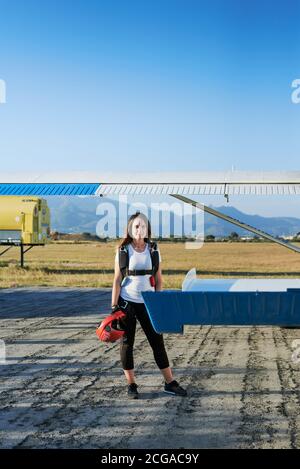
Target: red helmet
column 109, row 329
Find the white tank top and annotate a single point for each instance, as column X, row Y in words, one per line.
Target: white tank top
column 133, row 285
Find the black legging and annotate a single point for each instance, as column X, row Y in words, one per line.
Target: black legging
column 137, row 311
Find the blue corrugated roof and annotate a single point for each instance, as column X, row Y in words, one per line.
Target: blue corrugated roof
column 48, row 189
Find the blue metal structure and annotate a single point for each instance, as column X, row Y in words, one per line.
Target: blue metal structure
column 42, row 189
column 170, row 310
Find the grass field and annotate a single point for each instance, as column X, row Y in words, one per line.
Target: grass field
column 91, row 264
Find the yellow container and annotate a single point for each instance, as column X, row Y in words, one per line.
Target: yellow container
column 24, row 219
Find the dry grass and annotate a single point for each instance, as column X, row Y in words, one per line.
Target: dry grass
column 91, row 264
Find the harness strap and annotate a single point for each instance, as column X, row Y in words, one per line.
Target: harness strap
column 140, row 272
column 124, row 261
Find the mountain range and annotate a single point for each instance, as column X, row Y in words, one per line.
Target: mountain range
column 78, row 215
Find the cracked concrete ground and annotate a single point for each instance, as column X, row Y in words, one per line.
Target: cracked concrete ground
column 62, row 388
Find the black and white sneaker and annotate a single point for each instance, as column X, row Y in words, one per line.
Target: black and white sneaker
column 175, row 389
column 132, row 391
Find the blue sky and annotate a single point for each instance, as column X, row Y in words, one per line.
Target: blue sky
column 154, row 84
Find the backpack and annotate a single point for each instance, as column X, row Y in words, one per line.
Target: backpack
column 124, row 261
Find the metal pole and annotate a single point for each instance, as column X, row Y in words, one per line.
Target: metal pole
column 236, row 222
column 22, row 255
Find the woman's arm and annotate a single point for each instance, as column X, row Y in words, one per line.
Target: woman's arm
column 158, row 280
column 116, row 284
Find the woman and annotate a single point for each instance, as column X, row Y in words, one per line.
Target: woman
column 126, row 294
